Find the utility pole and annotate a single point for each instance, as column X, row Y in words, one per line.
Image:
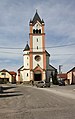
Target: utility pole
column 60, row 69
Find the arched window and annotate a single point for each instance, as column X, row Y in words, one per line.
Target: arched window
column 37, row 31
column 34, row 31
column 40, row 31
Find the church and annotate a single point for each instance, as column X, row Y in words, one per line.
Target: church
column 36, row 65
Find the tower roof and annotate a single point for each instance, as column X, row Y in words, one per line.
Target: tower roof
column 36, row 18
column 26, row 48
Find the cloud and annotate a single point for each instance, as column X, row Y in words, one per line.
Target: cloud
column 59, row 28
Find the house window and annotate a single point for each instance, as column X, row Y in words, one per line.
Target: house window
column 27, row 64
column 3, row 73
column 27, row 57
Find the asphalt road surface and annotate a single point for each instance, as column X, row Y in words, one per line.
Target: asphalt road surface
column 23, row 102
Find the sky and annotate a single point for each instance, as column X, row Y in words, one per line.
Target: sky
column 59, row 18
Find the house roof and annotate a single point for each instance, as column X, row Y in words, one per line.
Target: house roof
column 4, row 70
column 20, row 68
column 71, row 69
column 10, row 72
column 36, row 18
column 52, row 66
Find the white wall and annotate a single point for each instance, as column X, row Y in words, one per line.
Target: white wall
column 24, row 76
column 26, row 59
column 7, row 75
column 39, row 44
column 37, row 62
column 37, row 26
column 69, row 76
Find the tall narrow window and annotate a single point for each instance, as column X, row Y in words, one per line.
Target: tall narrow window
column 37, row 47
column 40, row 31
column 27, row 74
column 37, row 39
column 34, row 31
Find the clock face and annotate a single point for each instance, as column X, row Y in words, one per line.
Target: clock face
column 37, row 58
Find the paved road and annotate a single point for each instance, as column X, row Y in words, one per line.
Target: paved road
column 21, row 102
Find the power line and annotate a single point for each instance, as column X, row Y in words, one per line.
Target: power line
column 11, row 53
column 13, row 48
column 22, row 53
column 61, row 46
column 10, row 48
column 61, row 54
column 56, row 46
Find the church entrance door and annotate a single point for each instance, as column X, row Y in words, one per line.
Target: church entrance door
column 37, row 76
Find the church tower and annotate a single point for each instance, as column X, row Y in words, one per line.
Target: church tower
column 37, row 48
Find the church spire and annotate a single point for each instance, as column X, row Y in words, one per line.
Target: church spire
column 27, row 47
column 36, row 18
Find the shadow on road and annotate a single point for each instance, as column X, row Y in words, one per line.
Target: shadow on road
column 9, row 95
column 6, row 92
column 11, row 92
column 8, row 87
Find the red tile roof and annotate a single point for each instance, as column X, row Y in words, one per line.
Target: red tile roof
column 12, row 72
column 63, row 75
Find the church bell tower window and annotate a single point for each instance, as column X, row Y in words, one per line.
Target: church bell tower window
column 37, row 47
column 34, row 31
column 37, row 39
column 37, row 31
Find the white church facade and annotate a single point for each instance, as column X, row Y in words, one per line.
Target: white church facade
column 36, row 65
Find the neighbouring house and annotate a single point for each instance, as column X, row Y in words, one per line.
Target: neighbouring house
column 36, row 65
column 71, row 76
column 62, row 76
column 7, row 76
column 52, row 74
